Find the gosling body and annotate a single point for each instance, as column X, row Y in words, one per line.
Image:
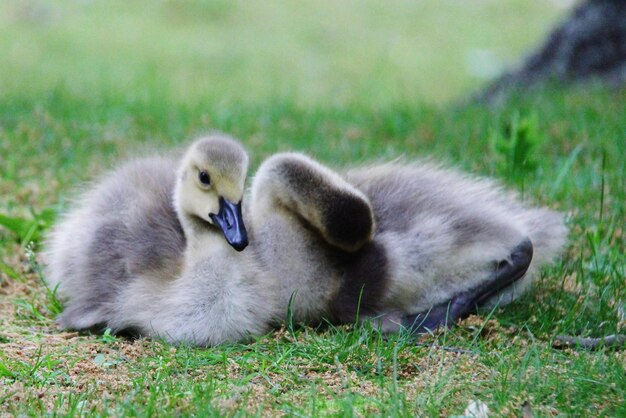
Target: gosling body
column 141, row 252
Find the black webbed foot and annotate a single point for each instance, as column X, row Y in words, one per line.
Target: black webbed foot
column 461, row 306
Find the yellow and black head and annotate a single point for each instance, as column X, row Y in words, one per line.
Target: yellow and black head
column 210, row 186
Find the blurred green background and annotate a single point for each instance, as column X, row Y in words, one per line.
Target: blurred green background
column 314, row 52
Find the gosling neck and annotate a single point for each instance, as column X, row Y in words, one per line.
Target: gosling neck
column 202, row 239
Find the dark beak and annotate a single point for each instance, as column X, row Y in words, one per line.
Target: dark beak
column 230, row 221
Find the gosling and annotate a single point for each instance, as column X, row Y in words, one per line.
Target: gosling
column 412, row 246
column 153, row 249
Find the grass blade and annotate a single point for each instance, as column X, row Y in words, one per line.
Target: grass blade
column 566, row 168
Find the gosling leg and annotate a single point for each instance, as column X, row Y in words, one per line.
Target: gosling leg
column 464, row 304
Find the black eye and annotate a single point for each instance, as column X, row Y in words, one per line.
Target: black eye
column 204, row 178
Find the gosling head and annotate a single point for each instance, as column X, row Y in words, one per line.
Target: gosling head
column 210, row 187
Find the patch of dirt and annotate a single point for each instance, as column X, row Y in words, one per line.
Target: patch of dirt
column 65, row 363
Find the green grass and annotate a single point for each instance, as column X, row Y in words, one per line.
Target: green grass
column 77, row 97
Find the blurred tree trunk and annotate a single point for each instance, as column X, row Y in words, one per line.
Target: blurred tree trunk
column 589, row 45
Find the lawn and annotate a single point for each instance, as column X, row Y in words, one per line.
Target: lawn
column 85, row 84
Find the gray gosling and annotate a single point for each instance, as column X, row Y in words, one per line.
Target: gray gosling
column 407, row 245
column 153, row 249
